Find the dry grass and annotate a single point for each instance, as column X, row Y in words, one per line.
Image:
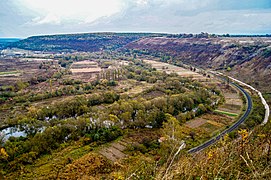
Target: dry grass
column 10, row 73
column 133, row 87
column 194, row 123
column 214, row 123
column 48, row 166
column 85, row 67
column 87, row 167
column 209, row 123
column 246, row 158
column 85, row 62
column 13, row 70
column 168, row 68
column 87, row 70
column 233, row 101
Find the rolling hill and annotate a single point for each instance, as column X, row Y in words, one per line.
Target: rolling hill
column 78, row 42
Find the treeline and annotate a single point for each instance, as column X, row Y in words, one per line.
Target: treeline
column 76, row 106
column 207, row 35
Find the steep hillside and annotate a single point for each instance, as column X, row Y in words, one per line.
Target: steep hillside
column 246, row 58
column 79, row 42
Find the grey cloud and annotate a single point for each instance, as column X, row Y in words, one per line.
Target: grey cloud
column 173, row 16
column 177, row 18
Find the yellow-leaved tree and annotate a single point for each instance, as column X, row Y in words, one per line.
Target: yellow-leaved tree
column 3, row 154
column 172, row 130
column 174, row 135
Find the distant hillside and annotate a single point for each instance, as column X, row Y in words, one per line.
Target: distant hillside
column 79, row 42
column 7, row 41
column 247, row 58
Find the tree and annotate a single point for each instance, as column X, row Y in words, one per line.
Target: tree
column 113, row 118
column 172, row 129
column 126, row 117
column 192, row 135
column 182, row 118
column 159, row 119
column 33, row 112
column 201, row 109
column 20, row 85
column 110, row 97
column 228, row 68
column 140, row 119
column 3, row 154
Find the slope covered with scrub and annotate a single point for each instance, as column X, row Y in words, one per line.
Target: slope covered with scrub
column 246, row 58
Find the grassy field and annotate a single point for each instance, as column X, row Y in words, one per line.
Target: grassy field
column 226, row 113
column 10, row 74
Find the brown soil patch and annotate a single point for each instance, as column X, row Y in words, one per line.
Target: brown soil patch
column 232, row 108
column 209, row 122
column 231, row 95
column 233, row 102
column 220, row 118
column 114, row 151
column 194, row 123
column 215, row 123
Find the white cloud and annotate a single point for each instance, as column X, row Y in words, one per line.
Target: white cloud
column 48, row 19
column 250, row 15
column 142, row 2
column 60, row 11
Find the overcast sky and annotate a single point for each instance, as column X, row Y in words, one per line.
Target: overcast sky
column 23, row 18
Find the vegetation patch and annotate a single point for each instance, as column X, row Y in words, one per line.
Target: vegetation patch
column 9, row 73
column 226, row 113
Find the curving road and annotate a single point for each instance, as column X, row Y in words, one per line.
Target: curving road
column 266, row 106
column 230, row 129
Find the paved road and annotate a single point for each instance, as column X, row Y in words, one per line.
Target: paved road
column 266, row 106
column 230, row 129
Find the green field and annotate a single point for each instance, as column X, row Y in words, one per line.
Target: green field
column 9, row 73
column 226, row 113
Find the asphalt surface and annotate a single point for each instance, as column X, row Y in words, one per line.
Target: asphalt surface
column 230, row 129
